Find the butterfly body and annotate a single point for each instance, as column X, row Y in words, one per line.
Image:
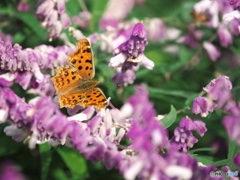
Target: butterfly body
column 74, row 84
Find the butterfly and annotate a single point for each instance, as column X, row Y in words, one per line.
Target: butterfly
column 74, row 83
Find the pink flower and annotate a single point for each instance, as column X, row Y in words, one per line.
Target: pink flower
column 212, row 51
column 203, row 106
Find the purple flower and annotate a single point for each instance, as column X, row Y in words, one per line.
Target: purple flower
column 136, row 44
column 231, row 16
column 83, row 20
column 16, row 133
column 129, row 54
column 53, row 16
column 177, row 162
column 225, row 36
column 184, row 139
column 10, row 171
column 156, row 30
column 237, row 160
column 132, row 50
column 212, row 51
column 61, row 5
column 232, row 125
column 191, row 40
column 235, row 4
column 211, row 8
column 4, row 82
column 218, row 89
column 6, row 38
column 145, row 132
column 23, row 6
column 234, row 26
column 115, row 12
column 203, row 106
column 183, row 136
column 25, row 65
column 200, row 127
column 65, row 20
column 124, row 78
column 187, row 123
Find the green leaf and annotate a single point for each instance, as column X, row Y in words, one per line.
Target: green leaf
column 156, row 92
column 74, row 161
column 11, row 146
column 221, row 162
column 201, row 149
column 46, row 158
column 235, row 49
column 97, row 12
column 59, row 174
column 205, row 159
column 32, row 22
column 185, row 54
column 189, row 101
column 233, row 149
column 18, row 38
column 168, row 120
column 7, row 10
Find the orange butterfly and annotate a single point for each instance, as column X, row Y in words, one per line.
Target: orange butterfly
column 74, row 84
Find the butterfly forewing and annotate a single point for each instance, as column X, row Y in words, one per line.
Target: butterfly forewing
column 82, row 59
column 66, row 78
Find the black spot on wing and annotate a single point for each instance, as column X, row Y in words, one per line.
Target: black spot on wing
column 66, row 74
column 74, row 61
column 74, row 77
column 102, row 101
column 80, row 67
column 88, row 61
column 87, row 50
column 99, row 95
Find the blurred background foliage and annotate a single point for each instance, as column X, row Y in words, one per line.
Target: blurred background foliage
column 175, row 81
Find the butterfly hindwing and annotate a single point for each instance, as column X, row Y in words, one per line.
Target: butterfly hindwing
column 95, row 97
column 71, row 99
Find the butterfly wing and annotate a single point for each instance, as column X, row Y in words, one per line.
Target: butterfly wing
column 82, row 59
column 66, row 79
column 92, row 97
column 72, row 99
column 95, row 97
